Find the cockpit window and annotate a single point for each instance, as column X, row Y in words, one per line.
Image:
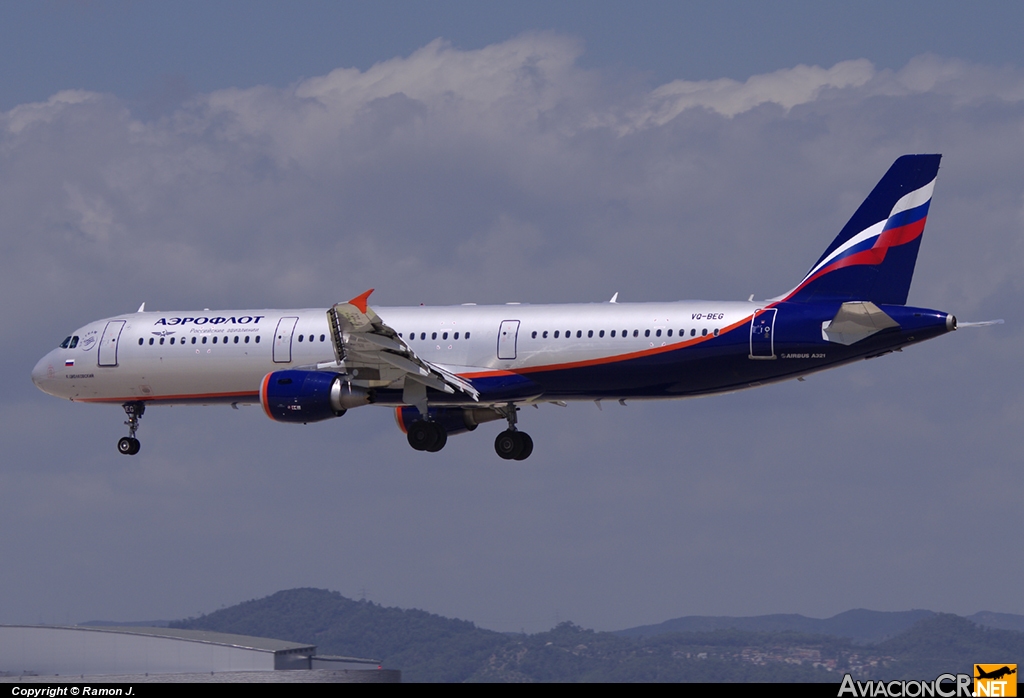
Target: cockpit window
column 74, row 342
column 65, row 343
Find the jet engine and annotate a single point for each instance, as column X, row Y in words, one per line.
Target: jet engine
column 309, row 396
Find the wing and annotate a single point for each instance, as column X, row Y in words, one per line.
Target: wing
column 374, row 356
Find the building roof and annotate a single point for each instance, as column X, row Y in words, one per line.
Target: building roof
column 261, row 644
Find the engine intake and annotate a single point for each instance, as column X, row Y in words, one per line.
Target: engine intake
column 309, row 396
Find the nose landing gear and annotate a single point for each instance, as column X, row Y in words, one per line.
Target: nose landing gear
column 513, row 444
column 129, row 445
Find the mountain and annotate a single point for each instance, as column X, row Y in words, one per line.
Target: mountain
column 778, row 648
column 859, row 625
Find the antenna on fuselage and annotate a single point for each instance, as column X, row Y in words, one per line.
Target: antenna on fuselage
column 142, row 308
column 615, row 298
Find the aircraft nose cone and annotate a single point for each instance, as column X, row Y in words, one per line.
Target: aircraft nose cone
column 43, row 372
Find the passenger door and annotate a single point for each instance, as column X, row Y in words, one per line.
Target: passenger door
column 283, row 339
column 507, row 335
column 107, row 354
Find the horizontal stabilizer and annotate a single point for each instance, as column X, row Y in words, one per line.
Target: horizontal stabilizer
column 855, row 321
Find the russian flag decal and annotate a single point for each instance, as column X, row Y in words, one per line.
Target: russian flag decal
column 69, row 362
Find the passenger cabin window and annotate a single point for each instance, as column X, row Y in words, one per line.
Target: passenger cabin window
column 246, row 339
column 467, row 335
column 433, row 335
column 150, row 341
column 613, row 333
column 204, row 340
column 556, row 334
column 658, row 333
column 323, row 337
column 601, row 333
column 457, row 335
column 161, row 340
column 545, row 335
column 590, row 333
column 636, row 333
column 704, row 332
column 140, row 341
column 257, row 339
column 423, row 335
column 647, row 333
column 444, row 336
column 534, row 335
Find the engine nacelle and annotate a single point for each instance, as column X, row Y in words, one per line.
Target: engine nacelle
column 455, row 420
column 309, row 396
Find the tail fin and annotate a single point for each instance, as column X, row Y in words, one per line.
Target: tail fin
column 873, row 258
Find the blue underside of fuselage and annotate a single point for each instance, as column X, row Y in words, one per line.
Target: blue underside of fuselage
column 719, row 364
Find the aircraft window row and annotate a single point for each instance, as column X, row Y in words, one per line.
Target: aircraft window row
column 312, row 338
column 625, row 333
column 223, row 340
column 433, row 335
column 69, row 342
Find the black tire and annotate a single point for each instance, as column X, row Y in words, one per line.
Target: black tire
column 125, row 446
column 422, row 435
column 136, row 447
column 440, row 438
column 508, row 444
column 527, row 446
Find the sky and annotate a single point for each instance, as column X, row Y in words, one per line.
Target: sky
column 262, row 155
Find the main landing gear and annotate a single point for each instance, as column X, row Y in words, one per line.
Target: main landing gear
column 129, row 445
column 427, row 436
column 513, row 444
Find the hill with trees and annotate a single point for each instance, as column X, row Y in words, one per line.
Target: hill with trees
column 431, row 648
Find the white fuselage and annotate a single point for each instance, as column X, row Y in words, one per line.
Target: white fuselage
column 221, row 356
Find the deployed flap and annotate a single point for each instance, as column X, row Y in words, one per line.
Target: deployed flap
column 855, row 321
column 375, row 356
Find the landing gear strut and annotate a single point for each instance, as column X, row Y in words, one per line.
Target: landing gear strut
column 427, row 436
column 129, row 445
column 513, row 444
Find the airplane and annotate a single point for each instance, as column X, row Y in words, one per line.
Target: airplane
column 994, row 674
column 446, row 370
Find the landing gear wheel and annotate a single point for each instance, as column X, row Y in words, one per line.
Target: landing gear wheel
column 509, row 444
column 421, row 435
column 527, row 446
column 440, row 438
column 427, row 436
column 128, row 446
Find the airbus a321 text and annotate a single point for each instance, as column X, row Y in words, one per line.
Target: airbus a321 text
column 445, row 370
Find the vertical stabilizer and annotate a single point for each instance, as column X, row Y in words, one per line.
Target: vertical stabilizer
column 873, row 258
